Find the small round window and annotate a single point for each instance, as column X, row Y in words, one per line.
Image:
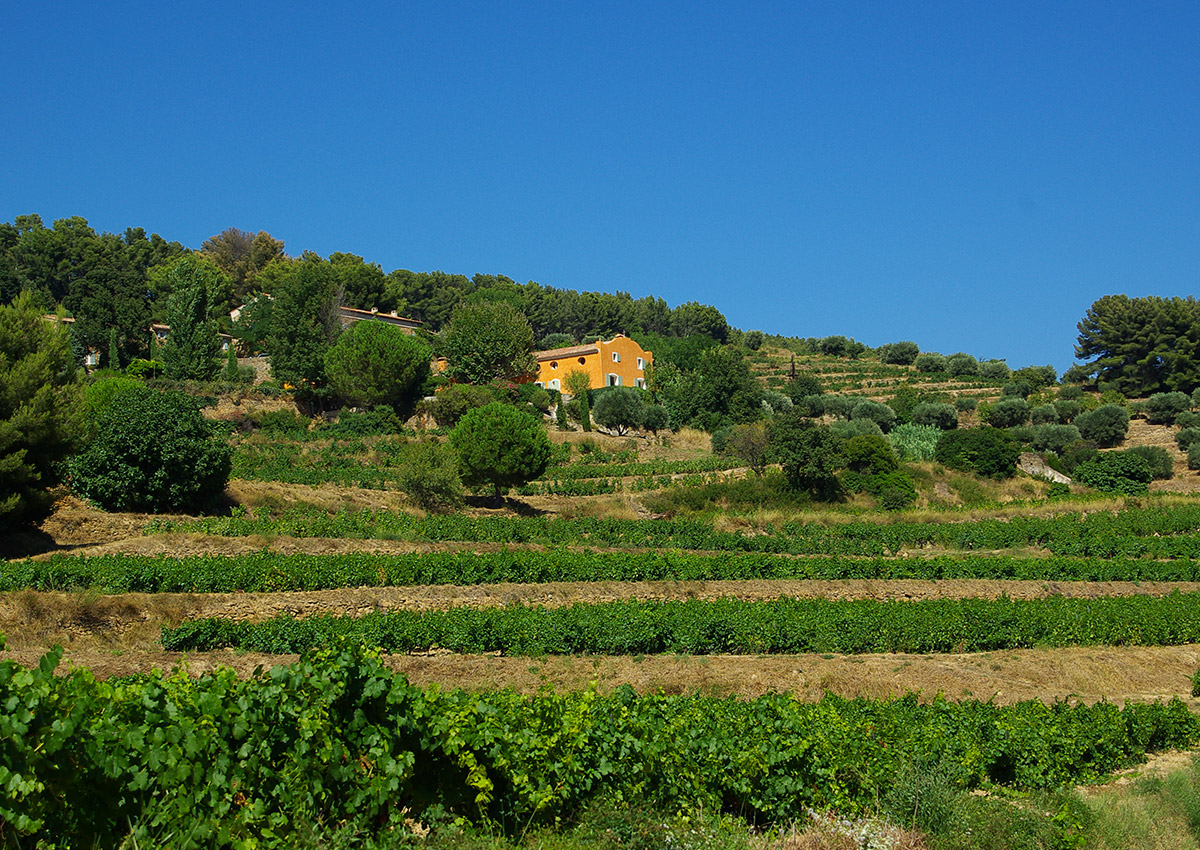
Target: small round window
column 583, row 360
column 554, row 364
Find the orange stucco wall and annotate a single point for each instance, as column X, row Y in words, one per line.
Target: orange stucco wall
column 599, row 365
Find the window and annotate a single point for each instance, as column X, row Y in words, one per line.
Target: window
column 616, row 357
column 538, row 384
column 614, row 380
column 641, row 383
column 553, row 364
column 582, row 361
column 641, row 363
column 554, row 385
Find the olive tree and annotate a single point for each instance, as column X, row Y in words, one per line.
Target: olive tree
column 619, row 409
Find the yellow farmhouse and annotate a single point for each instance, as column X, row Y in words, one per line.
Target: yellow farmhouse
column 620, row 362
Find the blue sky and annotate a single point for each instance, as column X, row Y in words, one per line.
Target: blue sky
column 971, row 176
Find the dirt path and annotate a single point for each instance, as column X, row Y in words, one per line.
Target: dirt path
column 1085, row 674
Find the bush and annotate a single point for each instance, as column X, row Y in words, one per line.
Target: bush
column 1016, row 389
column 1193, row 456
column 894, row 490
column 996, row 371
column 1187, row 419
column 1054, row 438
column 748, row 443
column 855, row 428
column 1187, row 438
column 619, row 409
column 811, row 405
column 152, row 451
column 1162, row 408
column 965, row 403
column 838, row 405
column 940, row 416
column 802, row 386
column 655, row 418
column 984, row 451
column 427, row 473
column 962, row 364
column 1105, row 426
column 1116, row 472
column 899, row 353
column 930, row 362
column 500, row 447
column 810, row 455
column 365, row 423
column 869, row 454
column 1044, row 414
column 1074, row 454
column 1067, row 409
column 914, row 442
column 452, row 403
column 877, row 412
column 1008, row 413
column 1162, row 465
column 753, row 340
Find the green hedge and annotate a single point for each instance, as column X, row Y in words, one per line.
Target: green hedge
column 337, row 739
column 274, row 571
column 727, row 626
column 1154, row 531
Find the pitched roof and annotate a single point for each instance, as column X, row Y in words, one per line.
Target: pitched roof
column 570, row 351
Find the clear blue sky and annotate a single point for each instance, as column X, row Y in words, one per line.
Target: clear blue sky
column 971, row 176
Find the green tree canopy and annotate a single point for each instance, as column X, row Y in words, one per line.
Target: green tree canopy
column 488, row 341
column 40, row 410
column 810, row 455
column 619, row 408
column 500, row 447
column 1140, row 346
column 374, row 363
column 152, row 451
column 304, row 323
column 192, row 344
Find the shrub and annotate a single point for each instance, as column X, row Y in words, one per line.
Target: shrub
column 619, row 409
column 966, row 403
column 1008, row 413
column 869, row 454
column 894, row 490
column 1070, row 392
column 427, row 473
column 838, row 405
column 452, row 403
column 1187, row 419
column 1074, row 454
column 1162, row 408
column 1044, row 414
column 1162, row 465
column 802, row 386
column 152, row 451
column 930, row 362
column 877, row 412
column 1116, row 472
column 1105, row 426
column 994, row 370
column 810, row 405
column 1021, row 433
column 1016, row 389
column 777, row 402
column 1193, row 456
column 962, row 364
column 1187, row 438
column 1054, row 438
column 984, row 451
column 914, row 442
column 500, row 447
column 1067, row 409
column 810, row 455
column 655, row 418
column 748, row 443
column 855, row 428
column 899, row 353
column 753, row 340
column 941, row 416
column 365, row 423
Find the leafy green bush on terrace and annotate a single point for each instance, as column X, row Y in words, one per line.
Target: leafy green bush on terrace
column 727, row 626
column 337, row 738
column 273, row 571
column 1154, row 531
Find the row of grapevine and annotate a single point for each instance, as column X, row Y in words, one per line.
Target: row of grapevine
column 336, row 738
column 703, row 627
column 1157, row 531
column 273, row 571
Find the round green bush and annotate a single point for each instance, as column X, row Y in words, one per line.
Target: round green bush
column 1054, row 438
column 1105, row 426
column 1187, row 438
column 1162, row 408
column 1193, row 454
column 930, row 362
column 1044, row 414
column 152, row 451
column 1009, row 413
column 941, row 416
column 984, row 451
column 1116, row 472
column 877, row 412
column 1162, row 465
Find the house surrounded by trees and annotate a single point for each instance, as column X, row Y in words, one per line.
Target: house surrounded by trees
column 619, row 362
